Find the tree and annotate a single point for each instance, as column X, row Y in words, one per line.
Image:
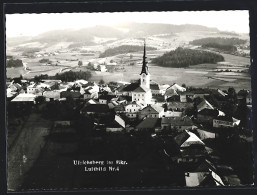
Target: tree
column 101, row 82
column 40, row 99
column 90, row 66
column 80, row 63
column 98, row 67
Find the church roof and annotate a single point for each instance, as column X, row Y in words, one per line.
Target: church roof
column 139, row 89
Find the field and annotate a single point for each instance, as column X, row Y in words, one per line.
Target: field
column 231, row 73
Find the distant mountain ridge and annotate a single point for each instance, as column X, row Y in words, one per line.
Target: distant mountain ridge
column 133, row 30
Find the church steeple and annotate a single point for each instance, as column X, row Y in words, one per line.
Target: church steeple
column 144, row 66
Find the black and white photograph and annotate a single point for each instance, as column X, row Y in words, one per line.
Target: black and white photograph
column 128, row 100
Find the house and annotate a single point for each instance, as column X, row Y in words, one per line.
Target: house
column 117, row 125
column 183, row 123
column 72, row 94
column 176, row 109
column 124, row 99
column 191, row 148
column 132, row 109
column 225, row 121
column 15, row 87
column 207, row 115
column 120, row 108
column 52, row 95
column 204, row 105
column 33, row 89
column 179, row 106
column 155, row 88
column 186, row 96
column 105, row 99
column 170, row 92
column 150, row 125
column 178, row 88
column 206, row 134
column 186, row 139
column 174, row 98
column 203, row 174
column 89, row 94
column 152, row 111
column 142, row 95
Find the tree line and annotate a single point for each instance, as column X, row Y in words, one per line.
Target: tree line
column 226, row 48
column 123, row 49
column 65, row 76
column 218, row 40
column 180, row 58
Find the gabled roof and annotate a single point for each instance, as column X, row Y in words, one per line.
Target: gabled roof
column 170, row 92
column 24, row 97
column 204, row 104
column 139, row 89
column 149, row 123
column 120, row 121
column 129, row 87
column 153, row 108
column 176, row 87
column 187, row 139
column 209, row 112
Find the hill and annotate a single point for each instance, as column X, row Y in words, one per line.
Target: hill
column 127, row 30
column 180, row 58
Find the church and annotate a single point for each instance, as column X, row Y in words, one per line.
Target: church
column 143, row 94
column 143, row 90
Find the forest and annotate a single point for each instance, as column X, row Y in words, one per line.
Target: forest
column 225, row 48
column 181, row 58
column 218, row 40
column 123, row 49
column 14, row 63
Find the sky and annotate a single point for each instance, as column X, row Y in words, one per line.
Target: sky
column 34, row 24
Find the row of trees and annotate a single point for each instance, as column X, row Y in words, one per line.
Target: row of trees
column 218, row 40
column 65, row 76
column 226, row 48
column 123, row 49
column 180, row 58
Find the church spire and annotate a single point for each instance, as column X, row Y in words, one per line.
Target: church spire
column 144, row 66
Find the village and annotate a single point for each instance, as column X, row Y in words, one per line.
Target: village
column 200, row 133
